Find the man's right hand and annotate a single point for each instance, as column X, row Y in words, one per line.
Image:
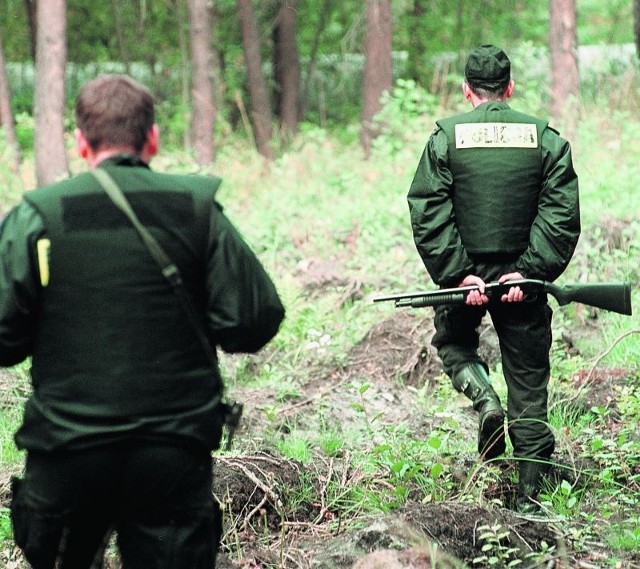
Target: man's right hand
column 475, row 297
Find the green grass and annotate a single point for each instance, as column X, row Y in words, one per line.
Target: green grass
column 9, row 422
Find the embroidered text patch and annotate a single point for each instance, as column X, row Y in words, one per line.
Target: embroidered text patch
column 496, row 135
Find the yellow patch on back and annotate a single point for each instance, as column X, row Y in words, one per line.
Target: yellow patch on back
column 43, row 246
column 496, row 135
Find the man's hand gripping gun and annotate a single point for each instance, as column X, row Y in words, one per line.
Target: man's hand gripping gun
column 613, row 296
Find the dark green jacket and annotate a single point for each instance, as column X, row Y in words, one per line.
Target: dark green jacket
column 505, row 188
column 113, row 353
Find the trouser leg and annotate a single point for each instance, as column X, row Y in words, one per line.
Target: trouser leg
column 38, row 534
column 457, row 342
column 525, row 340
column 85, row 542
column 169, row 519
column 524, row 331
column 456, row 337
column 56, row 518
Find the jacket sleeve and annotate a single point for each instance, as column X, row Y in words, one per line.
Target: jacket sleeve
column 19, row 283
column 556, row 227
column 432, row 218
column 244, row 310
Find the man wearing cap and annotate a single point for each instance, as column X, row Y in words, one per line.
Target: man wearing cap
column 495, row 198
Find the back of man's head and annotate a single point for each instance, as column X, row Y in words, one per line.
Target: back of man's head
column 488, row 71
column 115, row 111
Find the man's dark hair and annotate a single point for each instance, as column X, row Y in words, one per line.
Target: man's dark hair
column 115, row 111
column 489, row 94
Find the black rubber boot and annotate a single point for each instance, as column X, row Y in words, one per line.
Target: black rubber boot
column 473, row 381
column 530, row 477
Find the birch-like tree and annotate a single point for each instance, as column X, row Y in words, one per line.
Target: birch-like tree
column 51, row 59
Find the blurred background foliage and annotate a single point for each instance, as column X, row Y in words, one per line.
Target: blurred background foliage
column 146, row 38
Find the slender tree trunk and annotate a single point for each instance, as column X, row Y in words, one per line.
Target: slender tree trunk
column 565, row 77
column 119, row 28
column 31, row 6
column 322, row 23
column 217, row 72
column 417, row 67
column 636, row 25
column 51, row 56
column 377, row 66
column 183, row 44
column 287, row 67
column 6, row 116
column 203, row 115
column 258, row 93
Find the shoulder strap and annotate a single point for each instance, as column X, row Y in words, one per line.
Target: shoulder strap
column 169, row 269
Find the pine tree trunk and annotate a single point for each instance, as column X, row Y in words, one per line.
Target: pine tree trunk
column 6, row 116
column 51, row 56
column 565, row 77
column 287, row 67
column 203, row 113
column 258, row 93
column 377, row 66
column 31, row 5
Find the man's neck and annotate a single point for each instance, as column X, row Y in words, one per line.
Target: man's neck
column 99, row 156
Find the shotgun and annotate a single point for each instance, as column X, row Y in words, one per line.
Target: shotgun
column 612, row 296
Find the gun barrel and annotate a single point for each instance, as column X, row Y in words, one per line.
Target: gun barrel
column 432, row 300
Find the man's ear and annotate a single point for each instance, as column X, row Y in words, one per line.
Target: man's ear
column 466, row 90
column 82, row 144
column 153, row 141
column 509, row 90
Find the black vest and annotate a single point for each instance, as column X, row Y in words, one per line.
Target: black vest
column 114, row 354
column 495, row 158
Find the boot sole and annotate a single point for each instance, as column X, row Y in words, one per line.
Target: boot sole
column 491, row 438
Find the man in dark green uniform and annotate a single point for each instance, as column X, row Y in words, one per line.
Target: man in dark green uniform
column 126, row 405
column 495, row 198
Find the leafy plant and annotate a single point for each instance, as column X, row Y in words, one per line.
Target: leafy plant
column 495, row 548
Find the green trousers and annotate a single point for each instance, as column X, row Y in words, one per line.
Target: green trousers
column 524, row 332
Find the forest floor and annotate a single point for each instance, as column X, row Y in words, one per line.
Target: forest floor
column 419, row 533
column 279, row 512
column 383, row 396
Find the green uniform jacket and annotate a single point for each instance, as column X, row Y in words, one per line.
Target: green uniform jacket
column 114, row 356
column 500, row 186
